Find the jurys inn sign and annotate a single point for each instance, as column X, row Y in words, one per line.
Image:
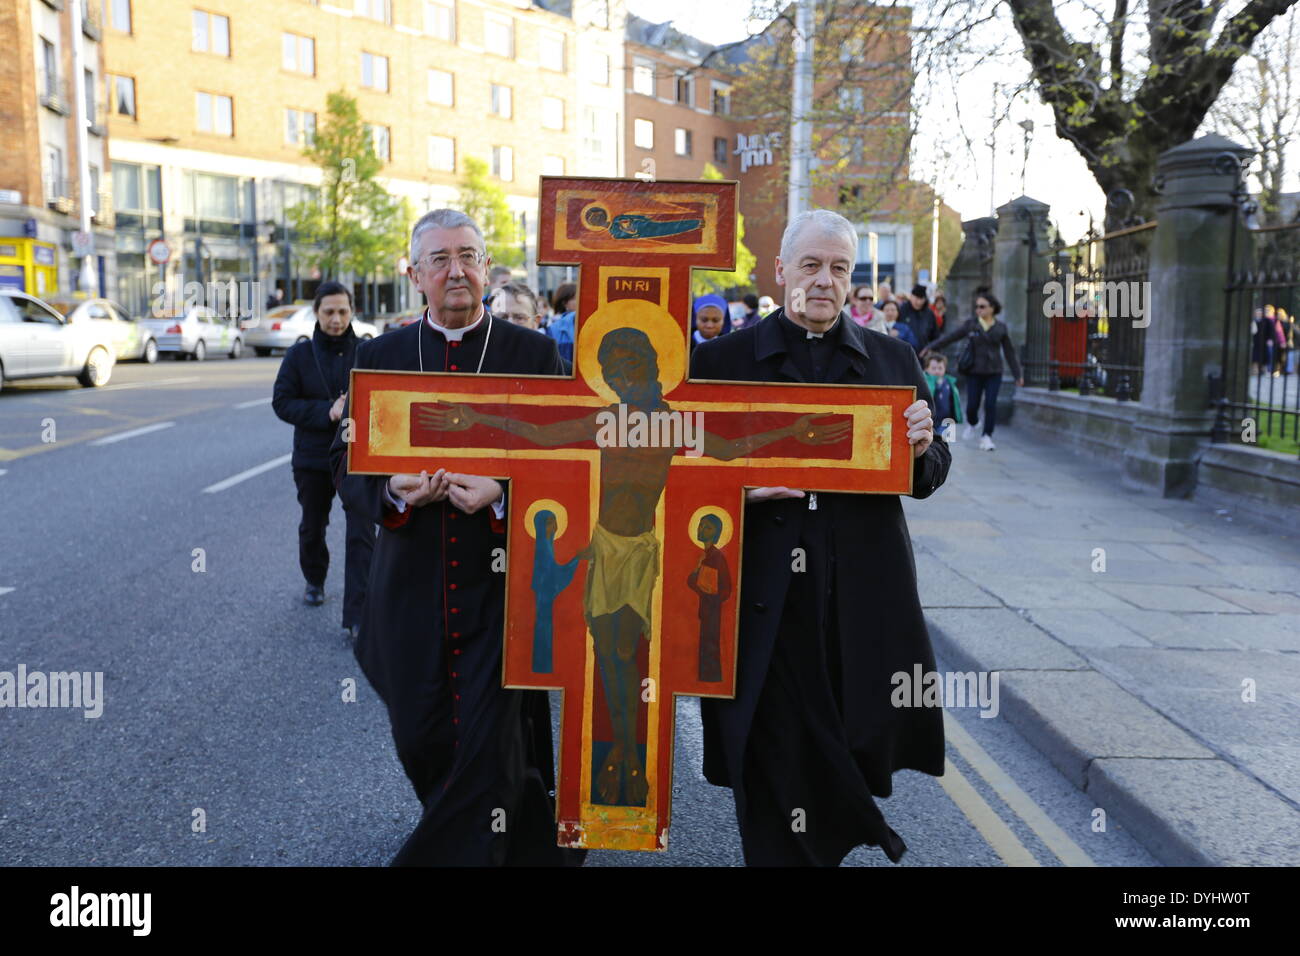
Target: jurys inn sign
column 756, row 150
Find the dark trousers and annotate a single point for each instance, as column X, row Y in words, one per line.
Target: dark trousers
column 316, row 495
column 978, row 387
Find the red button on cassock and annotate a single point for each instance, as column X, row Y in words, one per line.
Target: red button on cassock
column 455, row 720
column 455, row 368
column 456, row 651
column 452, row 540
column 454, row 674
column 455, row 633
column 452, row 586
column 455, row 564
column 455, row 610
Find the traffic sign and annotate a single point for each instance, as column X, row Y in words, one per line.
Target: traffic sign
column 159, row 251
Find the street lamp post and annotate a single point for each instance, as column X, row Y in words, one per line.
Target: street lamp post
column 800, row 197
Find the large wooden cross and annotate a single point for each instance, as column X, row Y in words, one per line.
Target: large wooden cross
column 627, row 487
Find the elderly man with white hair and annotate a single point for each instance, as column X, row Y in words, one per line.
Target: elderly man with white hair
column 813, row 735
column 478, row 756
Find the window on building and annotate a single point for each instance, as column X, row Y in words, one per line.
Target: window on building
column 299, row 127
column 50, row 64
column 56, row 181
column 211, row 33
column 136, row 189
column 643, row 77
column 442, row 153
column 682, row 142
column 502, row 101
column 721, row 99
column 552, row 165
column 121, row 95
column 381, row 10
column 442, row 88
column 379, row 139
column 685, row 88
column 886, row 248
column 852, row 47
column 216, row 114
column 550, row 50
column 858, row 151
column 440, row 19
column 374, row 71
column 94, row 189
column 552, row 112
column 852, row 98
column 720, row 150
column 298, row 53
column 598, row 68
column 92, row 101
column 643, row 133
column 119, row 15
column 499, row 35
column 600, row 132
column 503, row 162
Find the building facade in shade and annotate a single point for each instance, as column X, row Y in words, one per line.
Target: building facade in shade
column 212, row 103
column 41, row 191
column 690, row 103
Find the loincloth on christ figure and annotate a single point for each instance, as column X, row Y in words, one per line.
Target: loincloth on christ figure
column 621, row 572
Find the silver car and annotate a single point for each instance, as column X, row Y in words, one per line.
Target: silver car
column 131, row 339
column 196, row 333
column 288, row 325
column 35, row 341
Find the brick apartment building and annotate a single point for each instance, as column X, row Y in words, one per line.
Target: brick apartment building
column 690, row 103
column 211, row 102
column 40, row 161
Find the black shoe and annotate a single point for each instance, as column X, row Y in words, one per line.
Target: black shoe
column 314, row 596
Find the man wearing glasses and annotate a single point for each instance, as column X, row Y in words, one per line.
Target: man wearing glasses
column 431, row 636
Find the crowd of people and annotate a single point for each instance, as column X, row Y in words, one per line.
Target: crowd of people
column 1273, row 342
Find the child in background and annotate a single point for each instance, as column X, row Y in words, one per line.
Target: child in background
column 947, row 400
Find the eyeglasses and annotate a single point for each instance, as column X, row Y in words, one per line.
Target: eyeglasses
column 438, row 261
column 982, row 305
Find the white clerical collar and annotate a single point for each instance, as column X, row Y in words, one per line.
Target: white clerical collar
column 455, row 335
column 818, row 335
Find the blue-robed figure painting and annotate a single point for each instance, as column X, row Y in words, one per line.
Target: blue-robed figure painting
column 549, row 579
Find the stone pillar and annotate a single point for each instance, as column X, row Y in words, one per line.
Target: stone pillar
column 971, row 268
column 1019, row 258
column 1184, row 341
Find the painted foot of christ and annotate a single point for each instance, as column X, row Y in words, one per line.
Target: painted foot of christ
column 610, row 776
column 637, row 788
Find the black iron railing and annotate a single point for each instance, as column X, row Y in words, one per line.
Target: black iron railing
column 1257, row 395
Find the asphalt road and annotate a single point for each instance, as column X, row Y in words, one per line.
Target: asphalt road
column 223, row 693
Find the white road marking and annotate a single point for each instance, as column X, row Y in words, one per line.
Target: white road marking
column 5, row 590
column 244, row 475
column 121, row 436
column 1056, row 839
column 113, row 388
column 4, row 471
column 256, row 401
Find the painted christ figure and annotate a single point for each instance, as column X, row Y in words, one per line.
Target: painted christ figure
column 636, row 226
column 623, row 553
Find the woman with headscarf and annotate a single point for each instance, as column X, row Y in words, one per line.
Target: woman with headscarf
column 549, row 579
column 710, row 318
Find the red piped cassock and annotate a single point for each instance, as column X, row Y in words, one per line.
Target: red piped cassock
column 431, row 641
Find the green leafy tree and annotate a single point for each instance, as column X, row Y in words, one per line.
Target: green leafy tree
column 704, row 281
column 485, row 202
column 355, row 226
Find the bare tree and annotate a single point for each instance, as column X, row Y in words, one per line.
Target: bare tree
column 1260, row 106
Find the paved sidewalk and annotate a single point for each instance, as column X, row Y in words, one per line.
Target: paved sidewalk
column 1130, row 680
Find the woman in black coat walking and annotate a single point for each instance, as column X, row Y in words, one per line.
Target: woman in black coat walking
column 988, row 339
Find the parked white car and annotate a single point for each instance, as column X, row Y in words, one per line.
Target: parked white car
column 130, row 338
column 287, row 325
column 35, row 341
column 197, row 333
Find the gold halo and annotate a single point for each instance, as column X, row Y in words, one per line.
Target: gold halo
column 721, row 515
column 546, row 504
column 664, row 332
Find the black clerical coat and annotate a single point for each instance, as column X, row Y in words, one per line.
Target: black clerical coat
column 430, row 642
column 861, row 555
